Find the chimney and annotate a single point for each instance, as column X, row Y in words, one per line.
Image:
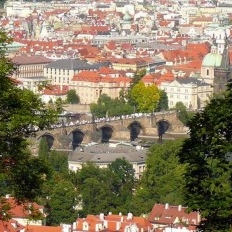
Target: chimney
column 179, row 207
column 129, row 216
column 198, row 217
column 118, row 225
column 166, row 206
column 74, row 225
column 101, row 216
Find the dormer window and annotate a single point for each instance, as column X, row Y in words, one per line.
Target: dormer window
column 207, row 72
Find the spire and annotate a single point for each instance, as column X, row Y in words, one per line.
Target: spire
column 225, row 63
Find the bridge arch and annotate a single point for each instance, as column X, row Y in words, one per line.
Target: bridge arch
column 49, row 139
column 107, row 132
column 77, row 137
column 135, row 128
column 162, row 126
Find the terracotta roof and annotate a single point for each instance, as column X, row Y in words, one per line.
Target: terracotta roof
column 128, row 61
column 26, row 59
column 10, row 226
column 31, row 228
column 18, row 210
column 93, row 76
column 56, row 90
column 113, row 223
column 167, row 215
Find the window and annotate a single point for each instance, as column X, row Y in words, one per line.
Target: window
column 178, row 89
column 186, row 97
column 186, row 90
column 207, row 72
column 171, row 95
column 171, row 103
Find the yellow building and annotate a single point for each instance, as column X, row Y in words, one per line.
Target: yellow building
column 90, row 85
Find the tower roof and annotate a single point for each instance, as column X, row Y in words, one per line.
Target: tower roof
column 225, row 62
column 212, row 59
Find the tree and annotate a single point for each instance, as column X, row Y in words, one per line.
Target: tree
column 62, row 204
column 182, row 113
column 72, row 97
column 96, row 188
column 145, row 97
column 20, row 112
column 139, row 74
column 162, row 180
column 125, row 174
column 208, row 177
column 163, row 101
column 111, row 107
column 43, row 151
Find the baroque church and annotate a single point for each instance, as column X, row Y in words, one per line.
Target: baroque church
column 216, row 67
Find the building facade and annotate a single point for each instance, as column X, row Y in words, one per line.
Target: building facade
column 29, row 71
column 192, row 92
column 61, row 72
column 104, row 154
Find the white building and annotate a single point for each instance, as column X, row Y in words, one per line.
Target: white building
column 104, row 154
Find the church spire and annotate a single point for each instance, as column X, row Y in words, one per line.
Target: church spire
column 225, row 63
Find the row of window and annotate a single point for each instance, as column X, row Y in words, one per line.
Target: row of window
column 179, row 96
column 175, row 89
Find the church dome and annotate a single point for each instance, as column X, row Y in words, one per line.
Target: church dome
column 213, row 59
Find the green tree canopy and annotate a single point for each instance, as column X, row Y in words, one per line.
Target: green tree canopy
column 62, row 204
column 107, row 106
column 208, row 178
column 163, row 101
column 43, row 151
column 163, row 180
column 124, row 173
column 139, row 74
column 20, row 112
column 145, row 98
column 72, row 97
column 184, row 115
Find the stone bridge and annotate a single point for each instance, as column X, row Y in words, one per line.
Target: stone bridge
column 123, row 129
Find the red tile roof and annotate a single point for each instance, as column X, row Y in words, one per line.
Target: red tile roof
column 56, row 90
column 167, row 215
column 10, row 226
column 32, row 228
column 30, row 59
column 20, row 210
column 113, row 223
column 93, row 76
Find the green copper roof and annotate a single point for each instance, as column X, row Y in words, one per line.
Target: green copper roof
column 212, row 60
column 127, row 17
